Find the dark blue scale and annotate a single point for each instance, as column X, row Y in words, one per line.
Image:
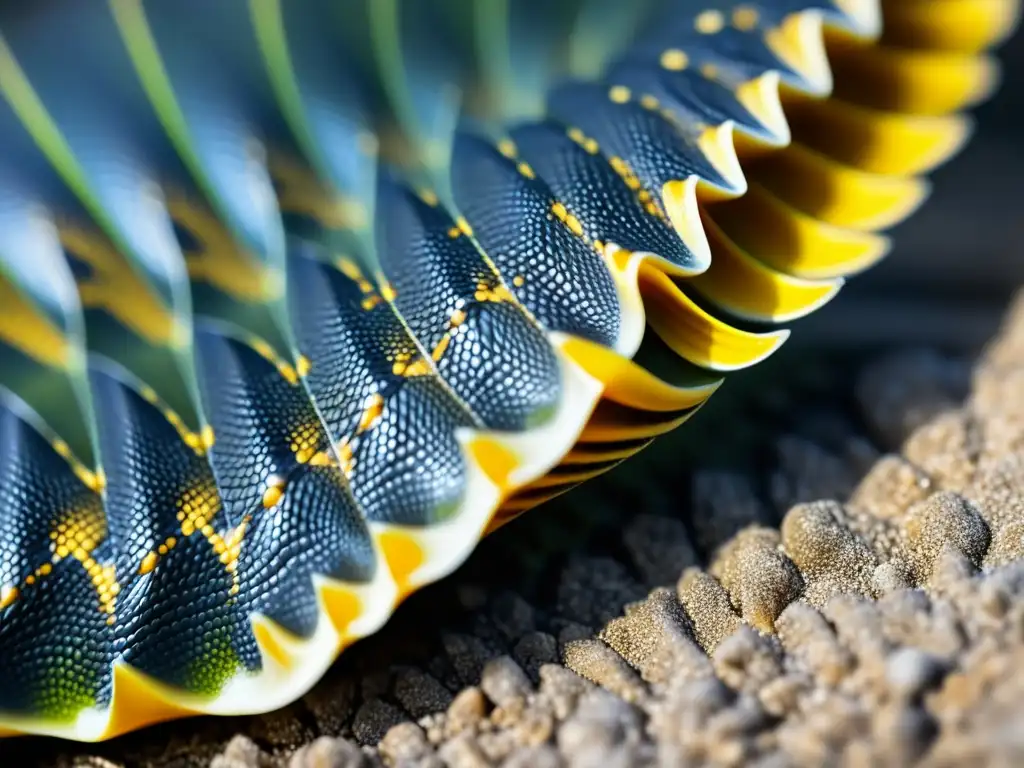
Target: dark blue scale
column 38, row 485
column 56, row 641
column 608, row 210
column 774, row 12
column 655, row 149
column 688, row 94
column 743, row 53
column 315, row 527
column 57, row 646
column 181, row 622
column 496, row 359
column 564, row 281
column 407, row 467
column 256, row 415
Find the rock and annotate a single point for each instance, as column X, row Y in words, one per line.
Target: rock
column 503, row 680
column 375, row 718
column 467, row 709
column 240, row 752
column 404, row 742
column 326, row 752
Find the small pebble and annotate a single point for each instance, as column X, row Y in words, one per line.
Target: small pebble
column 467, row 709
column 327, row 752
column 503, row 681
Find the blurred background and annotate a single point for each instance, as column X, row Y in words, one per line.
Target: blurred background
column 958, row 259
column 968, row 236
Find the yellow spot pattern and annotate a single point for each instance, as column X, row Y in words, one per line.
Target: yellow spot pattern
column 372, row 411
column 95, row 481
column 485, row 292
column 507, row 147
column 526, row 170
column 675, row 60
column 346, row 457
column 197, row 507
column 560, row 212
column 625, row 172
column 8, row 594
column 304, row 440
column 352, row 271
column 113, row 286
column 745, row 18
column 404, row 364
column 589, row 145
column 217, row 258
column 620, row 94
column 288, row 372
column 299, row 192
column 709, row 22
column 460, row 227
column 152, row 558
column 199, row 442
column 649, row 102
column 274, row 492
column 77, row 536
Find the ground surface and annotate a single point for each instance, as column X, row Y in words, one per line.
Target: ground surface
column 841, row 583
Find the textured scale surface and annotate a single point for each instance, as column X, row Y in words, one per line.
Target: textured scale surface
column 300, row 299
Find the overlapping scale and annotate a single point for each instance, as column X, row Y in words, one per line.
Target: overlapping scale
column 359, row 281
column 535, row 241
column 56, row 629
column 483, row 344
column 280, row 483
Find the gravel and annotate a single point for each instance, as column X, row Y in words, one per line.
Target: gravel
column 844, row 587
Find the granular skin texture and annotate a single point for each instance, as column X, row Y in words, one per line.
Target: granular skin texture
column 856, row 600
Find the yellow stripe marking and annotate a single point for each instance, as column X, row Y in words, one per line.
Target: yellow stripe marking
column 969, row 26
column 627, row 383
column 747, row 288
column 880, row 142
column 792, row 242
column 837, row 194
column 697, row 336
column 403, row 556
column 139, row 700
column 342, row 605
column 269, row 639
column 912, row 81
column 496, row 461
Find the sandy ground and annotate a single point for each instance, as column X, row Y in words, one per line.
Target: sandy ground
column 841, row 583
